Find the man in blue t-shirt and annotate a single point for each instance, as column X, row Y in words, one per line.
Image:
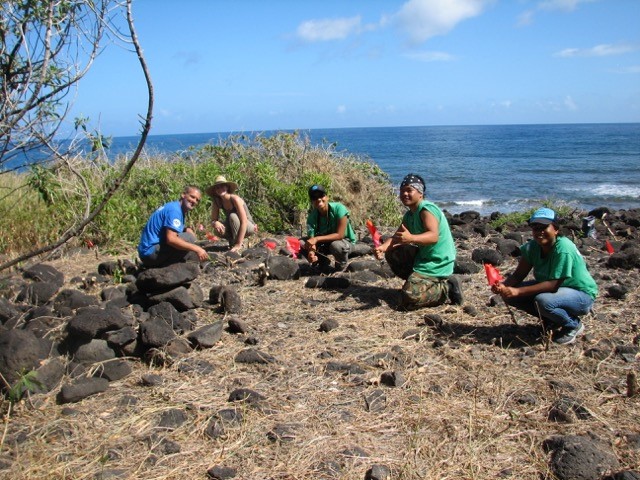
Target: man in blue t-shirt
column 165, row 239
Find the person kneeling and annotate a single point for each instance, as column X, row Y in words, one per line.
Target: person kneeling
column 165, row 239
column 329, row 231
column 563, row 288
column 422, row 251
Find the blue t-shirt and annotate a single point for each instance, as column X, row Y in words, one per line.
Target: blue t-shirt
column 167, row 216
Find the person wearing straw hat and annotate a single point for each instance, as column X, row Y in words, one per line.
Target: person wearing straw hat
column 563, row 288
column 237, row 224
column 165, row 239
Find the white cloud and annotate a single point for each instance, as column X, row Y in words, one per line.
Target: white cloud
column 430, row 56
column 328, row 29
column 423, row 19
column 629, row 69
column 569, row 103
column 564, row 5
column 603, row 50
column 418, row 19
column 341, row 109
column 526, row 18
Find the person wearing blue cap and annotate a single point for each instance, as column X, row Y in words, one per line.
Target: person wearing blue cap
column 422, row 251
column 329, row 231
column 563, row 289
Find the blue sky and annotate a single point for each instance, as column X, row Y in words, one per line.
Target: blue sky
column 255, row 65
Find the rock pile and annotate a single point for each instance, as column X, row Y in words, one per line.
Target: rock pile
column 75, row 341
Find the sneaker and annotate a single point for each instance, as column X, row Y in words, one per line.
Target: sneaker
column 568, row 335
column 455, row 290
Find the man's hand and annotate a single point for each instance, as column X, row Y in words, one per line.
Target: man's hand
column 203, row 255
column 403, row 235
column 504, row 291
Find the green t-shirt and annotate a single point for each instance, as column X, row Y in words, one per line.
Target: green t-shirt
column 321, row 225
column 563, row 262
column 435, row 260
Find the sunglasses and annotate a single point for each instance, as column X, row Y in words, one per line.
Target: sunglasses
column 538, row 227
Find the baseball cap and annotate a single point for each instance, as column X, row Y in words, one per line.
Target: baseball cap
column 316, row 191
column 544, row 216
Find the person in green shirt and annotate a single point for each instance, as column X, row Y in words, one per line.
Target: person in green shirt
column 329, row 231
column 563, row 288
column 422, row 251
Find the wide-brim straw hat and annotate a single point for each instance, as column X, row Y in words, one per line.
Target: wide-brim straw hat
column 220, row 180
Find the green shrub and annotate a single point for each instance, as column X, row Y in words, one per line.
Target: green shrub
column 273, row 174
column 519, row 218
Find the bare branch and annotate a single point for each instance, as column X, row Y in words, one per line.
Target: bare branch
column 118, row 181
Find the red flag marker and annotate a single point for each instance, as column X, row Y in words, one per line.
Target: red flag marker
column 493, row 275
column 609, row 247
column 211, row 237
column 269, row 245
column 293, row 245
column 375, row 234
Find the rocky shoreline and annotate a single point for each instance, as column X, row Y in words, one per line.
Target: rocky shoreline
column 283, row 342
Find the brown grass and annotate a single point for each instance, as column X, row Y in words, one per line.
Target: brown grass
column 457, row 417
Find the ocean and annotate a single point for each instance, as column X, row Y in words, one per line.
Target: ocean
column 501, row 168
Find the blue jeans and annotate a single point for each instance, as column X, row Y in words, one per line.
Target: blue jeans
column 560, row 309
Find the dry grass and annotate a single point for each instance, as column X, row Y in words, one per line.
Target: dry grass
column 460, row 414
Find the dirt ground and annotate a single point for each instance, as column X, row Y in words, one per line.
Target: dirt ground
column 467, row 398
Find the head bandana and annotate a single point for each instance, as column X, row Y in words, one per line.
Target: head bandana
column 413, row 181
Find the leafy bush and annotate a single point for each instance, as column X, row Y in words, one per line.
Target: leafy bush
column 273, row 174
column 519, row 218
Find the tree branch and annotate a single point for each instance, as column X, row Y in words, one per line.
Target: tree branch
column 75, row 231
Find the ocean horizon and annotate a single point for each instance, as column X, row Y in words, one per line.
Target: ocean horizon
column 485, row 168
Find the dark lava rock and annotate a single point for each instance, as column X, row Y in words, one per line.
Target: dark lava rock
column 252, row 355
column 20, row 351
column 82, row 389
column 44, row 273
column 575, row 457
column 486, row 255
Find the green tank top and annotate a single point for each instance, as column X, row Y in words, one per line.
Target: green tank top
column 435, row 260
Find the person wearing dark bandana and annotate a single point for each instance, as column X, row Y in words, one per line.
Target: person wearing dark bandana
column 422, row 251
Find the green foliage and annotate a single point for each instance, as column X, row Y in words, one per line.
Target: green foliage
column 518, row 218
column 28, row 383
column 43, row 181
column 273, row 175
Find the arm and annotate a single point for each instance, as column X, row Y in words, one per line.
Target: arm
column 332, row 237
column 509, row 290
column 430, row 236
column 242, row 215
column 174, row 241
column 217, row 225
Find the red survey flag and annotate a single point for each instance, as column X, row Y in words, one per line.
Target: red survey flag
column 493, row 275
column 293, row 245
column 211, row 237
column 610, row 249
column 270, row 245
column 375, row 234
